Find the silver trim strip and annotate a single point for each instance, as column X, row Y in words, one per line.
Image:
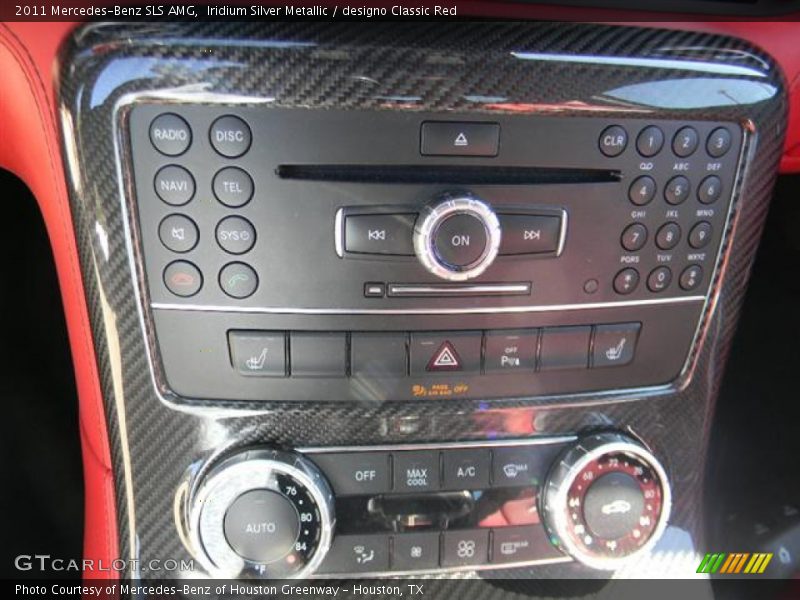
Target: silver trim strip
column 503, row 443
column 420, row 311
column 450, row 289
column 338, row 233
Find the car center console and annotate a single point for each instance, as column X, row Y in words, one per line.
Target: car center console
column 370, row 300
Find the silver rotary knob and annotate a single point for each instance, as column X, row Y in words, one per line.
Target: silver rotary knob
column 457, row 238
column 262, row 513
column 606, row 501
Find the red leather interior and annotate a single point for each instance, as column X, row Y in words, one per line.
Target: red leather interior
column 31, row 149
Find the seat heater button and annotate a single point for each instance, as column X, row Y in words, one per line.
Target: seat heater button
column 233, row 187
column 470, row 547
column 615, row 345
column 258, row 353
column 318, row 354
column 380, row 234
column 354, row 473
column 170, row 134
column 565, row 348
column 262, row 526
column 182, row 278
column 230, row 136
column 466, row 469
column 178, row 233
column 174, row 185
column 235, row 235
column 238, row 280
column 416, row 471
column 613, row 141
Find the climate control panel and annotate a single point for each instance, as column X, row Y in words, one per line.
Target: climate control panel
column 602, row 500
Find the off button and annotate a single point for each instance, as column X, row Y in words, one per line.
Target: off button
column 352, row 473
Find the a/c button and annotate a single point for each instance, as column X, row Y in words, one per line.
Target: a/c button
column 355, row 472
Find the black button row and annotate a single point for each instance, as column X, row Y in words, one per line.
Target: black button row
column 650, row 141
column 427, row 550
column 238, row 280
column 377, row 355
column 678, row 189
column 392, row 233
column 235, row 235
column 635, row 235
column 171, row 135
column 453, row 469
column 232, row 186
column 659, row 279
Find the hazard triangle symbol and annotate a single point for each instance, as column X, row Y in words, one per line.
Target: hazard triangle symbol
column 445, row 359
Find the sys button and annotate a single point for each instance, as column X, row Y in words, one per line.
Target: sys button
column 353, row 473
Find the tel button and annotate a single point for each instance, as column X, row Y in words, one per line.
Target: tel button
column 170, row 134
column 230, row 136
column 353, row 473
column 233, row 187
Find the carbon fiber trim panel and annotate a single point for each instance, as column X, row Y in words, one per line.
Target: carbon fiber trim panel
column 564, row 69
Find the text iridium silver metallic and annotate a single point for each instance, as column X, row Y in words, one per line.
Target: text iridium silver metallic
column 521, row 68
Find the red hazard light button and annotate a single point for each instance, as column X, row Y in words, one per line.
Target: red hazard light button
column 445, row 352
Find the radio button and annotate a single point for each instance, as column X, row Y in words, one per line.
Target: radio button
column 677, row 190
column 235, row 235
column 380, row 234
column 460, row 240
column 459, row 139
column 416, row 551
column 416, row 471
column 458, row 352
column 719, row 142
column 529, row 234
column 565, row 348
column 318, row 354
column 178, row 233
column 626, row 281
column 238, row 280
column 466, row 469
column 174, row 185
column 613, row 141
column 668, row 236
column 650, row 141
column 378, row 355
column 710, row 190
column 230, row 136
column 182, row 278
column 258, row 353
column 233, row 187
column 642, row 190
column 510, row 350
column 700, row 235
column 685, row 142
column 170, row 134
column 659, row 279
column 634, row 237
column 461, row 548
column 354, row 473
column 614, row 345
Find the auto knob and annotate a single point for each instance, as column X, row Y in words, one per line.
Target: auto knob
column 457, row 237
column 606, row 500
column 262, row 513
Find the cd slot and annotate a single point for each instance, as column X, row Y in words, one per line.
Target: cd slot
column 446, row 174
column 432, row 290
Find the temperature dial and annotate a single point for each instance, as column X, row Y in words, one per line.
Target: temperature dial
column 263, row 513
column 607, row 500
column 457, row 238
